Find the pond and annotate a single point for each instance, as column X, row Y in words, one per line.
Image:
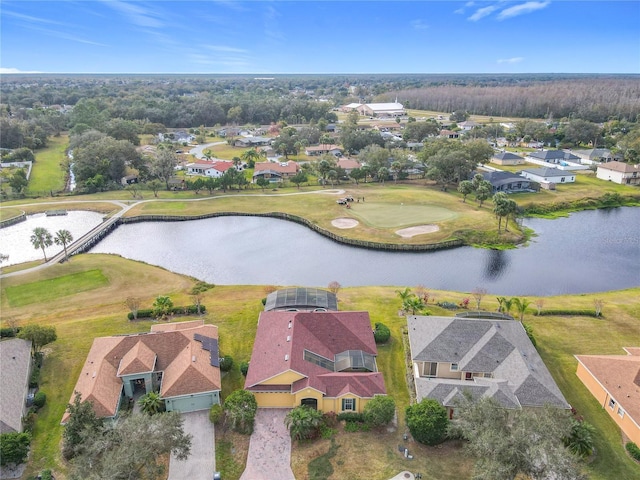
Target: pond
column 590, row 251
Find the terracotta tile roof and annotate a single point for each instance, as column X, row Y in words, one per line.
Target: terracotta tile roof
column 283, row 337
column 173, row 347
column 620, row 376
column 137, row 360
column 348, row 164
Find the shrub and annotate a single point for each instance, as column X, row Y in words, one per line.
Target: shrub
column 240, row 409
column 560, row 311
column 35, row 378
column 226, row 363
column 39, row 400
column 46, row 475
column 351, row 417
column 14, row 447
column 427, row 421
column 244, row 368
column 448, row 305
column 529, row 330
column 215, row 413
column 633, row 450
column 381, row 333
column 379, row 410
column 8, row 332
column 304, row 422
column 142, row 313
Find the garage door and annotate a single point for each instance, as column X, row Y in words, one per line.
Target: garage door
column 191, row 404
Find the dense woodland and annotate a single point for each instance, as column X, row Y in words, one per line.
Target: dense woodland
column 105, row 114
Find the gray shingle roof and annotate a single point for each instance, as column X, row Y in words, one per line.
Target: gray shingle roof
column 548, row 172
column 554, row 155
column 15, row 363
column 507, row 156
column 499, row 347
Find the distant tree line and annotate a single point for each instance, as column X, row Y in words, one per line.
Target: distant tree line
column 593, row 99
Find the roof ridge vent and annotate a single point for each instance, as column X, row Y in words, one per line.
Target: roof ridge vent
column 286, row 357
column 288, row 338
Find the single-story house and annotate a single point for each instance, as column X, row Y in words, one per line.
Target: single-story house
column 387, row 126
column 15, row 372
column 348, row 165
column 178, row 360
column 507, row 182
column 468, row 125
column 209, row 169
column 177, row 183
column 449, row 134
column 619, row 172
column 298, row 299
column 554, row 156
column 275, row 171
column 326, row 360
column 454, row 356
column 549, row 175
column 129, row 180
column 415, row 146
column 323, row 149
column 614, row 380
column 506, row 158
column 229, row 132
column 594, row 156
column 251, row 141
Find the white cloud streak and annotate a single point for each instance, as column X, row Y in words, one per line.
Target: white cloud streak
column 419, row 25
column 522, row 9
column 510, row 60
column 9, row 71
column 137, row 14
column 483, row 12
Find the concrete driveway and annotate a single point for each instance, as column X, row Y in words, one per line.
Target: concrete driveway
column 270, row 447
column 201, row 463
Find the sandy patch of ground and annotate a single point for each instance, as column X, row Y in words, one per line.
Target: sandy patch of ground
column 418, row 230
column 344, row 223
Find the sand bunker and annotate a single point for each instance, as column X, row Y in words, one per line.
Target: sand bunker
column 418, row 230
column 344, row 223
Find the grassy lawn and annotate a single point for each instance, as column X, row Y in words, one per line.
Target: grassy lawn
column 46, row 290
column 82, row 315
column 385, row 215
column 46, row 174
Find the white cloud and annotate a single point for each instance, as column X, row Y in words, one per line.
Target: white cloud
column 522, row 9
column 29, row 18
column 483, row 12
column 511, row 60
column 8, row 71
column 419, row 25
column 224, row 48
column 136, row 14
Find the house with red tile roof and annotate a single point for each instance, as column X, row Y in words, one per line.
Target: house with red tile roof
column 615, row 382
column 178, row 360
column 326, row 360
column 209, row 169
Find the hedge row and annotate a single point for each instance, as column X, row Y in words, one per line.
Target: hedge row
column 8, row 332
column 633, row 450
column 351, row 417
column 560, row 311
column 149, row 313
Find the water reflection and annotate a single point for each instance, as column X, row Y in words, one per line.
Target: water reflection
column 496, row 264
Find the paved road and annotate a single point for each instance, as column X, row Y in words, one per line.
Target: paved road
column 270, row 447
column 198, row 151
column 202, row 462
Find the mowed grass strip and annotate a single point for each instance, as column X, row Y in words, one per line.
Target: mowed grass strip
column 46, row 290
column 47, row 175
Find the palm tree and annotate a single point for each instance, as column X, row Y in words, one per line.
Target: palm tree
column 151, row 403
column 521, row 305
column 303, row 421
column 41, row 238
column 413, row 305
column 250, row 157
column 404, row 294
column 506, row 304
column 63, row 237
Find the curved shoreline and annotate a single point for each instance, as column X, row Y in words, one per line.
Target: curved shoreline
column 424, row 247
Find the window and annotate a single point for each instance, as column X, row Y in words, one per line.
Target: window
column 621, row 412
column 429, row 369
column 454, row 367
column 488, row 375
column 612, row 403
column 349, row 404
column 468, row 376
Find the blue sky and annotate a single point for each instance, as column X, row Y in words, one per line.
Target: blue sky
column 505, row 36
